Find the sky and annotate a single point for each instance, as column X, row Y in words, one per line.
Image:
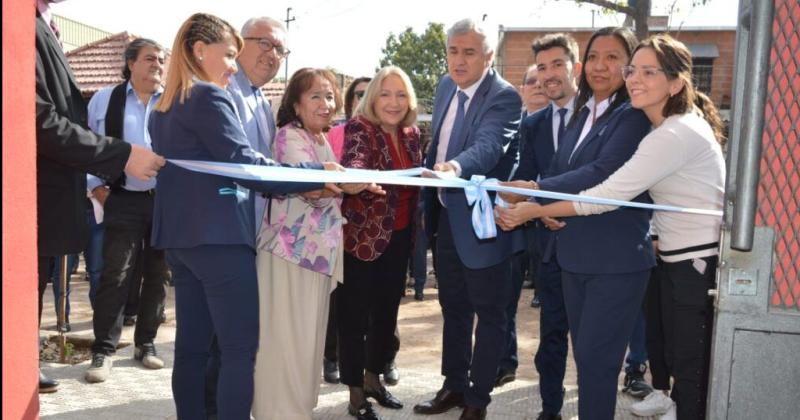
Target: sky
column 348, row 34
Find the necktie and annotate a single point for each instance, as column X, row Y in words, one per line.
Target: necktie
column 459, row 121
column 562, row 114
column 454, row 133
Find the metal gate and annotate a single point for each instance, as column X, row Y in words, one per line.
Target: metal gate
column 755, row 371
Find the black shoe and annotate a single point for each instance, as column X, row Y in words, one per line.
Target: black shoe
column 390, row 374
column 634, row 383
column 504, row 376
column 65, row 328
column 418, row 295
column 330, row 371
column 129, row 320
column 47, row 385
column 473, row 413
column 384, row 398
column 535, row 302
column 365, row 412
column 443, row 401
column 547, row 416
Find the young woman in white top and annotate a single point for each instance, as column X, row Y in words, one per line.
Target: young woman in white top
column 680, row 163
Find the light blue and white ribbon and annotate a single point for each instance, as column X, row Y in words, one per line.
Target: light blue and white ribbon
column 475, row 189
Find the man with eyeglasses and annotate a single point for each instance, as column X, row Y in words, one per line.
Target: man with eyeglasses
column 258, row 63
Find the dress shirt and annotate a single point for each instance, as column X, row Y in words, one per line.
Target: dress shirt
column 449, row 119
column 134, row 128
column 596, row 110
column 570, row 106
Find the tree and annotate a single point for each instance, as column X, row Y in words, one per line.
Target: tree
column 422, row 57
column 636, row 10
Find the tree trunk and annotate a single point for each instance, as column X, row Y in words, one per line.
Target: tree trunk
column 642, row 10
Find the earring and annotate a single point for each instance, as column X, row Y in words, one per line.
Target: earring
column 200, row 58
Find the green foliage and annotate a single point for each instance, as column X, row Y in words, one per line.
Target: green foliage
column 423, row 57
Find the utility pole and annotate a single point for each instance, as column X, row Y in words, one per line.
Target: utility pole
column 286, row 60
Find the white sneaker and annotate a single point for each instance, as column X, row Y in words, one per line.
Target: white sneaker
column 671, row 414
column 657, row 403
column 99, row 370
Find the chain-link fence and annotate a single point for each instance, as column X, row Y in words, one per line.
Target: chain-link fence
column 779, row 190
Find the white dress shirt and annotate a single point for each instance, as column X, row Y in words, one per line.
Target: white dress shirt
column 449, row 119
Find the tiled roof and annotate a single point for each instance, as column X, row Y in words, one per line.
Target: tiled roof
column 99, row 64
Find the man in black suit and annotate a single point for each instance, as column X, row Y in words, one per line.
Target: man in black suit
column 66, row 151
column 556, row 57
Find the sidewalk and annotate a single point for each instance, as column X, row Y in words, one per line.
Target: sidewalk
column 133, row 392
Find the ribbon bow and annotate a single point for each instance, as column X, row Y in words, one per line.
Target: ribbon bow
column 482, row 212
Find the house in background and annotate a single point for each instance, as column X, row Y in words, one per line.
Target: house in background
column 712, row 50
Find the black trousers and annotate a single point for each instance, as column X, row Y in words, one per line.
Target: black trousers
column 367, row 304
column 332, row 338
column 44, row 264
column 127, row 254
column 680, row 316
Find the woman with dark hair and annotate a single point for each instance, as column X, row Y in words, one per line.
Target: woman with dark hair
column 377, row 238
column 205, row 222
column 352, row 97
column 605, row 259
column 299, row 257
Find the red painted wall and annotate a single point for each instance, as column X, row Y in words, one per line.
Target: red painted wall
column 20, row 347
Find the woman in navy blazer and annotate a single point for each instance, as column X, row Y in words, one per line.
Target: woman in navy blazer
column 205, row 222
column 605, row 259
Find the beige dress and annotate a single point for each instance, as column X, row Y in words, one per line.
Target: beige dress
column 299, row 262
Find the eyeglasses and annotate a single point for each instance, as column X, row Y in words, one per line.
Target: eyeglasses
column 532, row 82
column 359, row 94
column 266, row 45
column 648, row 73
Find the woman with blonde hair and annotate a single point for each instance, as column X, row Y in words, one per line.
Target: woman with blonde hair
column 205, row 222
column 377, row 237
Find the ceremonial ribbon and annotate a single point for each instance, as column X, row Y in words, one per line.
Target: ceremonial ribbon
column 476, row 189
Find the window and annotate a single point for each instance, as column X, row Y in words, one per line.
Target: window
column 702, row 69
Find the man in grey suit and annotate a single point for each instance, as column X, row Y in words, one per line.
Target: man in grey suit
column 261, row 57
column 475, row 120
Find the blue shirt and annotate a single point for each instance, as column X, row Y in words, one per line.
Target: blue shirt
column 134, row 128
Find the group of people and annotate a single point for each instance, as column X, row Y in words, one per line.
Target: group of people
column 262, row 269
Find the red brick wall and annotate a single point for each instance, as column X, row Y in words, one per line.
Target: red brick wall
column 516, row 55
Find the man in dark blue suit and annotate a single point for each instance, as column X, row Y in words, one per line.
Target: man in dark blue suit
column 556, row 57
column 475, row 119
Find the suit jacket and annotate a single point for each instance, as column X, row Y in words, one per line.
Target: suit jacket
column 536, row 153
column 370, row 217
column 65, row 151
column 484, row 147
column 244, row 99
column 536, row 145
column 613, row 242
column 193, row 208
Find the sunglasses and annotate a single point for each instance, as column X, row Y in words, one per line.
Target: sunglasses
column 359, row 94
